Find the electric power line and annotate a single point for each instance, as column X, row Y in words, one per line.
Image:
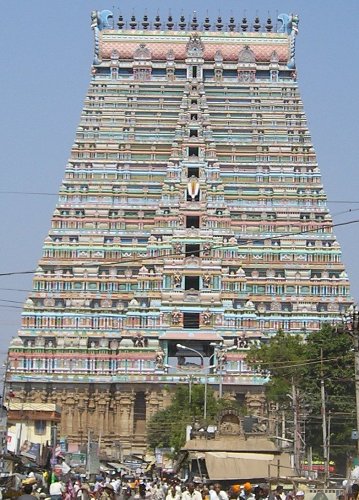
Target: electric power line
column 10, row 307
column 11, row 301
column 45, row 193
column 37, row 193
column 199, row 251
column 293, row 364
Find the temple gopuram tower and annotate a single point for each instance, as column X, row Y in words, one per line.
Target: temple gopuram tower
column 191, row 222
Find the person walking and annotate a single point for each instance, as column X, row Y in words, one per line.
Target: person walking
column 191, row 493
column 217, row 493
column 279, row 493
column 247, row 493
column 57, row 489
column 27, row 491
column 106, row 493
column 173, row 493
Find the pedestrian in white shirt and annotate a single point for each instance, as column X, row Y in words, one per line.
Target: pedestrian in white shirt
column 191, row 493
column 174, row 494
column 56, row 490
column 279, row 493
column 217, row 493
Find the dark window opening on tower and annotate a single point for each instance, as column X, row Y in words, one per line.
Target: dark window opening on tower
column 193, row 171
column 193, row 132
column 193, row 151
column 191, row 282
column 190, row 320
column 194, row 101
column 194, row 71
column 194, row 117
column 192, row 221
column 139, row 411
column 192, row 249
column 196, row 198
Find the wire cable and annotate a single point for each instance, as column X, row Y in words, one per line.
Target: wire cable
column 197, row 252
column 11, row 301
column 36, row 193
column 44, row 193
column 293, row 365
column 10, row 307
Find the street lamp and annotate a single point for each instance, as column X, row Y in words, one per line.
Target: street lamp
column 351, row 326
column 180, row 346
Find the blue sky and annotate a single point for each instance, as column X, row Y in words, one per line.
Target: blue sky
column 46, row 53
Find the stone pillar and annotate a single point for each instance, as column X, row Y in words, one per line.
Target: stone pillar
column 102, row 402
column 60, row 398
column 91, row 420
column 70, row 417
column 82, row 412
column 154, row 403
column 125, row 408
column 117, row 414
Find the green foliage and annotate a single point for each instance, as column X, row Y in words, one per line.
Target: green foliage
column 167, row 428
column 292, row 359
column 338, row 375
column 283, row 358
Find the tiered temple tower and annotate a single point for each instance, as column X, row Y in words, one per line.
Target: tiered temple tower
column 191, row 222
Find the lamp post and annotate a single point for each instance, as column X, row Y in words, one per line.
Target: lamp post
column 351, row 326
column 191, row 379
column 180, row 346
column 221, row 350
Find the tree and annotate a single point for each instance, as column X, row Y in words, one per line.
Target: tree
column 288, row 359
column 167, row 428
column 337, row 371
column 281, row 360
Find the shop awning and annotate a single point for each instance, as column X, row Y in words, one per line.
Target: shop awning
column 118, row 466
column 238, row 466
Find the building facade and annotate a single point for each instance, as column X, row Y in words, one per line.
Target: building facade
column 191, row 222
column 31, row 427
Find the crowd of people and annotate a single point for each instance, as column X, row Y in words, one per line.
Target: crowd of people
column 117, row 488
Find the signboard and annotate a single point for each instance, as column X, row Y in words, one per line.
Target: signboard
column 93, row 463
column 11, row 441
column 76, row 459
column 63, row 445
column 134, row 463
column 31, row 450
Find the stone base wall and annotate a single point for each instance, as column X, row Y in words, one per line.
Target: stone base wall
column 115, row 416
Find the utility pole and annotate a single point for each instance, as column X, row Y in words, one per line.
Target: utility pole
column 296, row 434
column 351, row 326
column 205, row 395
column 324, row 419
column 88, row 455
column 190, row 389
column 328, row 443
column 283, row 424
column 355, row 323
column 3, row 417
